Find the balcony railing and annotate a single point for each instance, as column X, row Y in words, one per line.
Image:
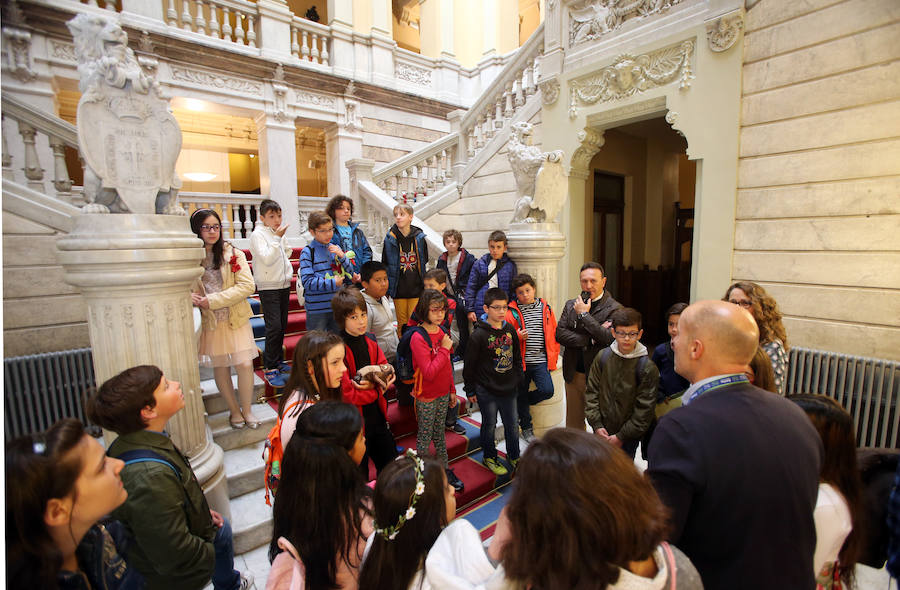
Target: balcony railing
column 233, row 21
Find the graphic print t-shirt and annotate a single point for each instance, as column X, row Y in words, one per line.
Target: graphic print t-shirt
column 409, row 284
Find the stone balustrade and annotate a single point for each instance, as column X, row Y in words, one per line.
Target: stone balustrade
column 511, row 88
column 310, row 41
column 233, row 21
column 421, row 173
column 237, row 212
column 59, row 133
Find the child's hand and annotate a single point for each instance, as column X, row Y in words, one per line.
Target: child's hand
column 446, row 342
column 453, row 401
column 338, row 280
column 281, row 229
column 523, row 334
column 200, row 300
column 472, row 398
column 216, row 518
column 356, row 278
column 336, row 250
column 472, row 317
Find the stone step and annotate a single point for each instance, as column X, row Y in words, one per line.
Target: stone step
column 215, row 403
column 229, row 438
column 245, row 469
column 251, row 521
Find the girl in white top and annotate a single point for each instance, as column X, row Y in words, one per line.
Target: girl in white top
column 413, row 502
column 839, row 505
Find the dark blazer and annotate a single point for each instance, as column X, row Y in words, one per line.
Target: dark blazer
column 584, row 337
column 739, row 469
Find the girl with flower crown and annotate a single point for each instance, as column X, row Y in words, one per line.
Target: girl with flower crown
column 221, row 293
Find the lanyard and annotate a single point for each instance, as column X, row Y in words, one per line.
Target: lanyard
column 715, row 384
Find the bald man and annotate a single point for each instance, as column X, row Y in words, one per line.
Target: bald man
column 738, row 466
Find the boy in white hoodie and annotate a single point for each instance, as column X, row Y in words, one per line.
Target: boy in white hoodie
column 620, row 398
column 272, row 272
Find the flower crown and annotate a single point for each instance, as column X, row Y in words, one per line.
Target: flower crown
column 390, row 533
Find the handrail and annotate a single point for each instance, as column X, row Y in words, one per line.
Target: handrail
column 530, row 50
column 43, row 122
column 413, row 158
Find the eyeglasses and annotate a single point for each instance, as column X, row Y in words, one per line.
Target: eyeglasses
column 215, row 227
column 324, row 231
column 746, row 304
column 437, row 309
column 631, row 335
column 499, row 307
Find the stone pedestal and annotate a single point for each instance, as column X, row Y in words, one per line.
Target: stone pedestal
column 537, row 249
column 135, row 272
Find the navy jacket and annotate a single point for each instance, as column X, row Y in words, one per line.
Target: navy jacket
column 358, row 243
column 390, row 255
column 478, row 283
column 739, row 470
column 461, row 280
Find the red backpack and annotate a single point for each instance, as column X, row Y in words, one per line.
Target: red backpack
column 273, row 453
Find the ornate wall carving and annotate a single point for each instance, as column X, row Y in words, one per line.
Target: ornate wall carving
column 723, row 32
column 322, row 101
column 591, row 19
column 591, row 141
column 63, row 51
column 630, row 74
column 18, row 60
column 549, row 91
column 413, row 74
column 216, row 80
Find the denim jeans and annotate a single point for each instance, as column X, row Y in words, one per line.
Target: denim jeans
column 274, row 304
column 323, row 320
column 225, row 577
column 490, row 404
column 544, row 390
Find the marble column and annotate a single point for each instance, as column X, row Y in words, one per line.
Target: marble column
column 341, row 145
column 538, row 249
column 278, row 168
column 135, row 273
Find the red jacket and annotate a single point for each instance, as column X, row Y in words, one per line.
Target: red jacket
column 434, row 371
column 361, row 397
column 514, row 317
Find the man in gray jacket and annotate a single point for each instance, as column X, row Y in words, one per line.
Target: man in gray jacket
column 583, row 330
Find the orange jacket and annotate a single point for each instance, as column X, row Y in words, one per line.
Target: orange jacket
column 514, row 317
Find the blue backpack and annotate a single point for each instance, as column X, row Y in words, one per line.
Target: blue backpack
column 405, row 370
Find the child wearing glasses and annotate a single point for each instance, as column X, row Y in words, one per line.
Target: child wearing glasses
column 492, row 373
column 323, row 269
column 620, row 398
column 226, row 340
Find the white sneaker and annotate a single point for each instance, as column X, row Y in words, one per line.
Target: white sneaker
column 247, row 582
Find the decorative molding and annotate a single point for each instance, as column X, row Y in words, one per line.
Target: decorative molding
column 63, row 51
column 216, row 80
column 321, row 101
column 630, row 74
column 413, row 74
column 18, row 60
column 591, row 141
column 723, row 32
column 629, row 111
column 549, row 90
column 280, row 89
column 591, row 19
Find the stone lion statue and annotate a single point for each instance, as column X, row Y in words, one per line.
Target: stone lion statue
column 527, row 162
column 126, row 133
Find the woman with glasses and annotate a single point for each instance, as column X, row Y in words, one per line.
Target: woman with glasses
column 227, row 338
column 772, row 336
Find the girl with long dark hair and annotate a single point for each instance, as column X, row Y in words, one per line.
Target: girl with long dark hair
column 839, row 509
column 58, row 486
column 413, row 503
column 226, row 340
column 322, row 513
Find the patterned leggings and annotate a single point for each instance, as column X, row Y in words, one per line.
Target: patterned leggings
column 431, row 416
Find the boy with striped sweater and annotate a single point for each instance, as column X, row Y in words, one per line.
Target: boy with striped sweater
column 323, row 269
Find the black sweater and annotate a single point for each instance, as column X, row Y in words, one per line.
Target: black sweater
column 493, row 360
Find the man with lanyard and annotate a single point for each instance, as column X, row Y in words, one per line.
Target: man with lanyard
column 737, row 466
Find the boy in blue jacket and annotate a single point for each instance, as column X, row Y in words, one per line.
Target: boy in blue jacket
column 323, row 269
column 494, row 269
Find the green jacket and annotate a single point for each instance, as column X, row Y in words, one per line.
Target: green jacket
column 168, row 519
column 615, row 400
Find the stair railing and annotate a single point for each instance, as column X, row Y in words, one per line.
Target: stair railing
column 505, row 96
column 60, row 134
column 420, row 174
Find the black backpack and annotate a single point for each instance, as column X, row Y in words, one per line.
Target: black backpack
column 405, row 370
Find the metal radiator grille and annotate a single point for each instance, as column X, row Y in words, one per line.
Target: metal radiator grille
column 40, row 389
column 869, row 389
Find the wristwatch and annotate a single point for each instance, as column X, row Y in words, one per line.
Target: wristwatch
column 582, row 315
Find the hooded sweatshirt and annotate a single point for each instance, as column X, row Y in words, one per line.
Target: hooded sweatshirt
column 488, row 356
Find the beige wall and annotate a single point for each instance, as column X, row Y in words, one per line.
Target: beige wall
column 818, row 212
column 389, row 134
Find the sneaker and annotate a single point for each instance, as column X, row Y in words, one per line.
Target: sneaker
column 528, row 434
column 494, row 465
column 247, row 582
column 455, row 358
column 457, row 428
column 455, row 482
column 514, row 463
column 275, row 378
column 284, row 368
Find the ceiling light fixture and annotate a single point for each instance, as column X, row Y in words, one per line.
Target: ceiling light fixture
column 199, row 176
